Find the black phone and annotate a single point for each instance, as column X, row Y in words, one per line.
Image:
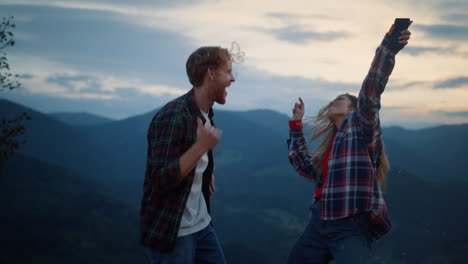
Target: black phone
column 401, row 24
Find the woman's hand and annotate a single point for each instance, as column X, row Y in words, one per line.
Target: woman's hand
column 404, row 35
column 298, row 110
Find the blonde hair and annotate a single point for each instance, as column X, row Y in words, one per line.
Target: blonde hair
column 323, row 126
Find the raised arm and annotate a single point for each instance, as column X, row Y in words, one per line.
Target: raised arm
column 375, row 82
column 299, row 155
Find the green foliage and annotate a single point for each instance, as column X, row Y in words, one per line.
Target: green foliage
column 8, row 80
column 9, row 128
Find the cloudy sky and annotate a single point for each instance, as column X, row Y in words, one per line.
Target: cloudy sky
column 122, row 58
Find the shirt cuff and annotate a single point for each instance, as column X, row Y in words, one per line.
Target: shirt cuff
column 295, row 124
column 391, row 45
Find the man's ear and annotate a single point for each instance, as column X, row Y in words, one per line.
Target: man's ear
column 210, row 73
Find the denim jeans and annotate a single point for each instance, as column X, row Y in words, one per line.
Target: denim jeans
column 200, row 247
column 346, row 240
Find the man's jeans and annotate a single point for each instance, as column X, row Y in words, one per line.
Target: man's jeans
column 346, row 240
column 200, row 247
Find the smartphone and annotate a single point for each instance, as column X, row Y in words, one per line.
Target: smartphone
column 401, row 24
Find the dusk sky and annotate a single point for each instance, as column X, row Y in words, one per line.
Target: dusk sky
column 123, row 58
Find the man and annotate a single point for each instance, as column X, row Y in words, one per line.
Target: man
column 175, row 210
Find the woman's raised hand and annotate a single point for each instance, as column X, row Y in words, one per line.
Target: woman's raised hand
column 298, row 110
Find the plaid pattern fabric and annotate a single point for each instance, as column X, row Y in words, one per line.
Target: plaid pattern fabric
column 351, row 185
column 171, row 133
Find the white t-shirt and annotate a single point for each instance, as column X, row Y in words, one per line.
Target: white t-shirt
column 196, row 217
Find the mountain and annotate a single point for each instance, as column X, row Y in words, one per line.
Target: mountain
column 268, row 118
column 55, row 142
column 260, row 207
column 62, row 218
column 81, row 119
column 70, row 212
column 436, row 154
column 426, row 219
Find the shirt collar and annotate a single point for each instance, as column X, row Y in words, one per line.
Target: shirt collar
column 194, row 109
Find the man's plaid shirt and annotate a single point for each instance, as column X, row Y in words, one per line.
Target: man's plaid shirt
column 351, row 186
column 172, row 132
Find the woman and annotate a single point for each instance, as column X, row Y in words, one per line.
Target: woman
column 349, row 166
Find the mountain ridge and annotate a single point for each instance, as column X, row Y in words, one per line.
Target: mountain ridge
column 255, row 182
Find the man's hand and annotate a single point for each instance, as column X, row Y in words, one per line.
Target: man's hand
column 207, row 136
column 298, row 110
column 212, row 185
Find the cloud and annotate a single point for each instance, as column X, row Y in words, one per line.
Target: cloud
column 296, row 84
column 287, row 17
column 106, row 87
column 78, row 83
column 106, row 4
column 454, row 5
column 255, row 89
column 298, row 35
column 452, row 83
column 454, row 11
column 95, row 55
column 116, row 53
column 447, row 32
column 390, row 108
column 438, row 85
column 420, row 50
column 456, row 17
column 26, row 76
column 414, row 51
column 406, row 85
column 119, row 98
column 296, row 32
column 60, row 80
column 282, row 16
column 129, row 103
column 143, row 3
column 296, row 26
column 99, row 41
column 456, row 114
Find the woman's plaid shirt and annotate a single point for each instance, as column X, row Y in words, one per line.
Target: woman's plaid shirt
column 351, row 186
column 172, row 132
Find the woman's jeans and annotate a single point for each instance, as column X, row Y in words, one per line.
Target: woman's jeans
column 346, row 240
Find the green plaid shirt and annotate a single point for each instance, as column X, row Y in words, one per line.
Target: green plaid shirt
column 172, row 132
